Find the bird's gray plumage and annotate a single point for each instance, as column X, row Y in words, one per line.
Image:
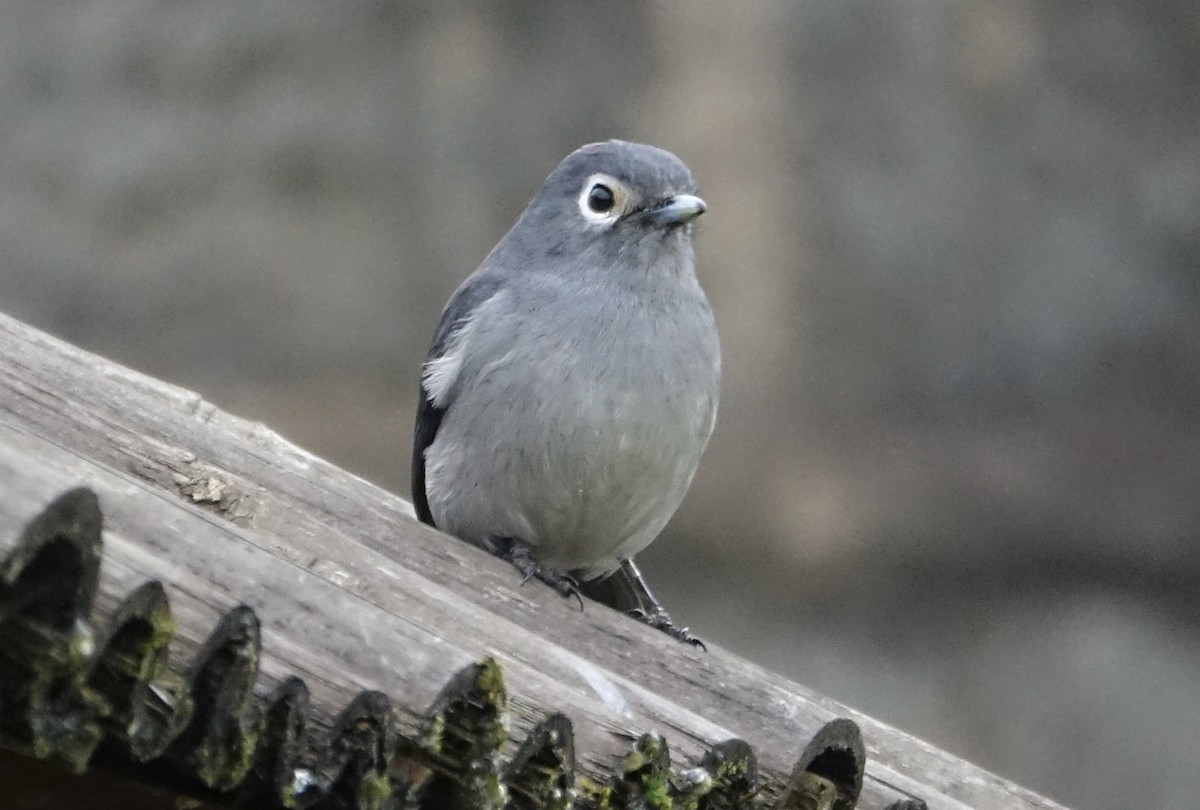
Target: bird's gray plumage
column 572, row 383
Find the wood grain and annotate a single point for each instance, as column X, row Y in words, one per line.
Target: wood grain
column 355, row 594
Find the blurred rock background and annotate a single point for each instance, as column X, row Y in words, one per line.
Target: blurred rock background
column 954, row 248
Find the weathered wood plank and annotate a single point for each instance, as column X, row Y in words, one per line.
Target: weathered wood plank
column 355, row 594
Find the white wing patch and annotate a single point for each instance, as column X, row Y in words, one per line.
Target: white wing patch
column 440, row 374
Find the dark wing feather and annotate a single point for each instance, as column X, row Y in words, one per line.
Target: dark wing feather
column 462, row 304
column 429, row 418
column 624, row 590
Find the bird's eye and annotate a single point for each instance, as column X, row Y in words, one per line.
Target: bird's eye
column 601, row 199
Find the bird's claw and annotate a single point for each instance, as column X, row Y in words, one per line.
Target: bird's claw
column 521, row 557
column 659, row 619
column 560, row 581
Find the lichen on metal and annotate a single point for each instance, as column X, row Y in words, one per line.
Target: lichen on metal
column 206, row 733
column 542, row 774
column 47, row 585
column 352, row 768
column 150, row 705
column 218, row 745
column 277, row 775
column 644, row 775
column 829, row 773
column 462, row 737
column 726, row 778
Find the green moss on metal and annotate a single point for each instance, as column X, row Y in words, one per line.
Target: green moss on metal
column 594, row 795
column 150, row 703
column 373, row 791
column 542, row 772
column 433, row 732
column 644, row 778
column 811, row 792
column 689, row 788
column 47, row 585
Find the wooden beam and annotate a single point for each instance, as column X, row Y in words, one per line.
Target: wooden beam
column 354, row 594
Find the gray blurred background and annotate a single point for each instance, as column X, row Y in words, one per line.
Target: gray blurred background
column 954, row 249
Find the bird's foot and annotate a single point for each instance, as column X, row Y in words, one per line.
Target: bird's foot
column 659, row 619
column 521, row 557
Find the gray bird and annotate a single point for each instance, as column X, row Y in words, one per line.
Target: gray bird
column 573, row 379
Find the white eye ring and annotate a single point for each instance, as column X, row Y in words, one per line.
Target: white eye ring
column 593, row 191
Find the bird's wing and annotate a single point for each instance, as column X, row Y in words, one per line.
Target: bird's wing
column 439, row 375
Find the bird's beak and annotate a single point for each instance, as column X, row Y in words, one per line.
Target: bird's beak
column 676, row 210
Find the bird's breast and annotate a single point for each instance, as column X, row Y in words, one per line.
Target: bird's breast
column 581, row 436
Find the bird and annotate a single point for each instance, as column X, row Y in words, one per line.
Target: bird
column 573, row 380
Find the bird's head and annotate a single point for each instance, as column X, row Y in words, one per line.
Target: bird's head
column 614, row 198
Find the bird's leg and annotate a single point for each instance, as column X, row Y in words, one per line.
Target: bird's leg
column 649, row 610
column 520, row 554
